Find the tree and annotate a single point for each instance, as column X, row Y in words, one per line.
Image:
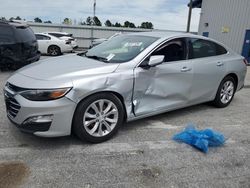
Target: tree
column 48, row 22
column 18, row 18
column 3, row 19
column 147, row 25
column 117, row 24
column 108, row 23
column 126, row 24
column 89, row 21
column 67, row 21
column 38, row 20
column 132, row 25
column 97, row 21
column 129, row 24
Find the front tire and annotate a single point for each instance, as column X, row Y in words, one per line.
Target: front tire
column 98, row 117
column 225, row 92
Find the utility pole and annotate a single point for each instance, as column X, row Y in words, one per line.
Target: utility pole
column 94, row 8
column 93, row 23
column 189, row 15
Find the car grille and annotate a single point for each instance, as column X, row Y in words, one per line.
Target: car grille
column 12, row 106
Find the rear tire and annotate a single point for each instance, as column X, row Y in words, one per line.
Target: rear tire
column 98, row 117
column 54, row 50
column 225, row 93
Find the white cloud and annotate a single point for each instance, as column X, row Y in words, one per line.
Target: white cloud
column 164, row 14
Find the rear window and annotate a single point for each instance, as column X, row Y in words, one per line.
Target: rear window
column 203, row 48
column 60, row 35
column 25, row 34
column 6, row 34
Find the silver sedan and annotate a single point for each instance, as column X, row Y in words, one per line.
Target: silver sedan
column 129, row 77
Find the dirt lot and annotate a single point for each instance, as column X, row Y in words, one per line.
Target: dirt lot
column 142, row 154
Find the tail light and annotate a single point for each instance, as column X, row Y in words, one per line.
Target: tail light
column 245, row 61
column 68, row 42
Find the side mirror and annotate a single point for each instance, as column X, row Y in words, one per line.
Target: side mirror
column 156, row 60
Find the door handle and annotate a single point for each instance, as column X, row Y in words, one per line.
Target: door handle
column 185, row 69
column 219, row 64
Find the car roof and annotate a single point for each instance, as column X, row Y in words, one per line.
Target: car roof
column 166, row 34
column 57, row 32
column 13, row 23
column 45, row 34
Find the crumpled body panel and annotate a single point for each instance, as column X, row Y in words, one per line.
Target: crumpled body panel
column 161, row 87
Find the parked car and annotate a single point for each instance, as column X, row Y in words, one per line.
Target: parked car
column 126, row 78
column 18, row 45
column 96, row 42
column 51, row 45
column 65, row 36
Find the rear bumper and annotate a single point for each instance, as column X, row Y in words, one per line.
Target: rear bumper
column 33, row 59
column 67, row 48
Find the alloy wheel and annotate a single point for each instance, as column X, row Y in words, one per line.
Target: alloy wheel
column 227, row 92
column 100, row 118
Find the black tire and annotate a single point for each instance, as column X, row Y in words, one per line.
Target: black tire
column 78, row 127
column 54, row 50
column 218, row 101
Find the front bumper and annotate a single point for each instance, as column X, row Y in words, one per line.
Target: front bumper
column 62, row 111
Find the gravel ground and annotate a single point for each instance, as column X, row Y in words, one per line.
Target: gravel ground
column 142, row 154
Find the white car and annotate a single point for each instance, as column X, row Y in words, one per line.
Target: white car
column 96, row 42
column 65, row 36
column 48, row 44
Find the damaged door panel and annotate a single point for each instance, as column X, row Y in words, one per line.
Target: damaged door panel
column 166, row 85
column 162, row 87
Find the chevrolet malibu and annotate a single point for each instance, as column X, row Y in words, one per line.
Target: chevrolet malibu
column 126, row 78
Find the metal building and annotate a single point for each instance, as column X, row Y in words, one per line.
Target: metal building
column 227, row 21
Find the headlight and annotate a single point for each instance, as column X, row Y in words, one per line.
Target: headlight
column 44, row 94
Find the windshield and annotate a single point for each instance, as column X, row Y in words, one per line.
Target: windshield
column 120, row 48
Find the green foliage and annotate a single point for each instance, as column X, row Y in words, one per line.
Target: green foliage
column 89, row 21
column 108, row 23
column 3, row 19
column 147, row 25
column 48, row 22
column 129, row 24
column 117, row 24
column 18, row 18
column 67, row 21
column 38, row 20
column 97, row 21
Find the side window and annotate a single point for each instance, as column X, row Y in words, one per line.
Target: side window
column 174, row 50
column 39, row 37
column 42, row 37
column 199, row 48
column 56, row 35
column 220, row 50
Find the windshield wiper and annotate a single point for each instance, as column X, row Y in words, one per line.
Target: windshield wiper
column 103, row 59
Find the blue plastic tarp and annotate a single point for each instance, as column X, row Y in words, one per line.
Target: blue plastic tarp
column 200, row 139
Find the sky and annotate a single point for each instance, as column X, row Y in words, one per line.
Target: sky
column 164, row 14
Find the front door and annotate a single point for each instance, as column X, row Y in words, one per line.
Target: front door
column 166, row 86
column 246, row 46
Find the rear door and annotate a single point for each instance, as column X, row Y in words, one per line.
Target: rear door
column 166, row 86
column 208, row 64
column 43, row 43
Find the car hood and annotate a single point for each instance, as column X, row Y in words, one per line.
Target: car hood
column 66, row 67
